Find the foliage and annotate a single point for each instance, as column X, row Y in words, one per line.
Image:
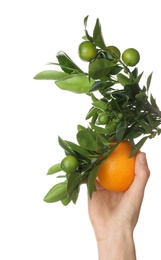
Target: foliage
column 132, row 112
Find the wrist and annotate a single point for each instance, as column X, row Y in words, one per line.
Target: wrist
column 118, row 244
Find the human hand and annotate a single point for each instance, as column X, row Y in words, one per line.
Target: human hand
column 114, row 215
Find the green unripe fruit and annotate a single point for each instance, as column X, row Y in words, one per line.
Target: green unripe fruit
column 87, row 51
column 69, row 164
column 103, row 118
column 111, row 128
column 131, row 57
column 115, row 52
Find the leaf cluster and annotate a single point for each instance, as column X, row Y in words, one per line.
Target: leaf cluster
column 131, row 110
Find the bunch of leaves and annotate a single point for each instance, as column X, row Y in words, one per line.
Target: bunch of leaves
column 131, row 110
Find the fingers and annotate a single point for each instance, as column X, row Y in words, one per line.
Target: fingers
column 142, row 174
column 98, row 186
column 142, row 171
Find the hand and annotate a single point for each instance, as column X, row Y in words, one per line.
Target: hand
column 114, row 215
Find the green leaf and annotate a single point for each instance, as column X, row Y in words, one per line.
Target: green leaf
column 94, row 118
column 98, row 129
column 134, row 132
column 77, row 83
column 115, row 70
column 115, row 105
column 73, row 148
column 86, row 167
column 100, row 104
column 152, row 121
column 145, row 126
column 80, row 150
column 120, row 130
column 122, row 79
column 66, row 201
column 135, row 72
column 80, row 127
column 91, row 113
column 153, row 101
column 91, row 180
column 103, row 140
column 141, row 96
column 97, row 35
column 100, row 68
column 87, row 139
column 85, row 21
column 65, row 145
column 93, row 97
column 55, row 168
column 56, row 193
column 67, row 64
column 73, row 182
column 137, row 79
column 138, row 146
column 51, row 75
column 98, row 85
column 86, row 32
column 75, row 194
column 131, row 90
column 149, row 81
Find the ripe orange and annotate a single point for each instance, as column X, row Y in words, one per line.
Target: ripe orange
column 116, row 173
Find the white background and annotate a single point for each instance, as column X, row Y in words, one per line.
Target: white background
column 33, row 114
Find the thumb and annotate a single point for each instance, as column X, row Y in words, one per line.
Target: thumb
column 142, row 174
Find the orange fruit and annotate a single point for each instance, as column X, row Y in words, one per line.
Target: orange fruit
column 116, row 173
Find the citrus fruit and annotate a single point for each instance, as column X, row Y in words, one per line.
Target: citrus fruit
column 69, row 164
column 115, row 51
column 111, row 128
column 103, row 118
column 117, row 117
column 131, row 57
column 116, row 173
column 87, row 51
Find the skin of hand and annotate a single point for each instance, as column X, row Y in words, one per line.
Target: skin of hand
column 114, row 215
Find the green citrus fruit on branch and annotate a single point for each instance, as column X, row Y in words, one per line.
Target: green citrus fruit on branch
column 87, row 51
column 131, row 57
column 124, row 111
column 69, row 164
column 115, row 51
column 103, row 118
